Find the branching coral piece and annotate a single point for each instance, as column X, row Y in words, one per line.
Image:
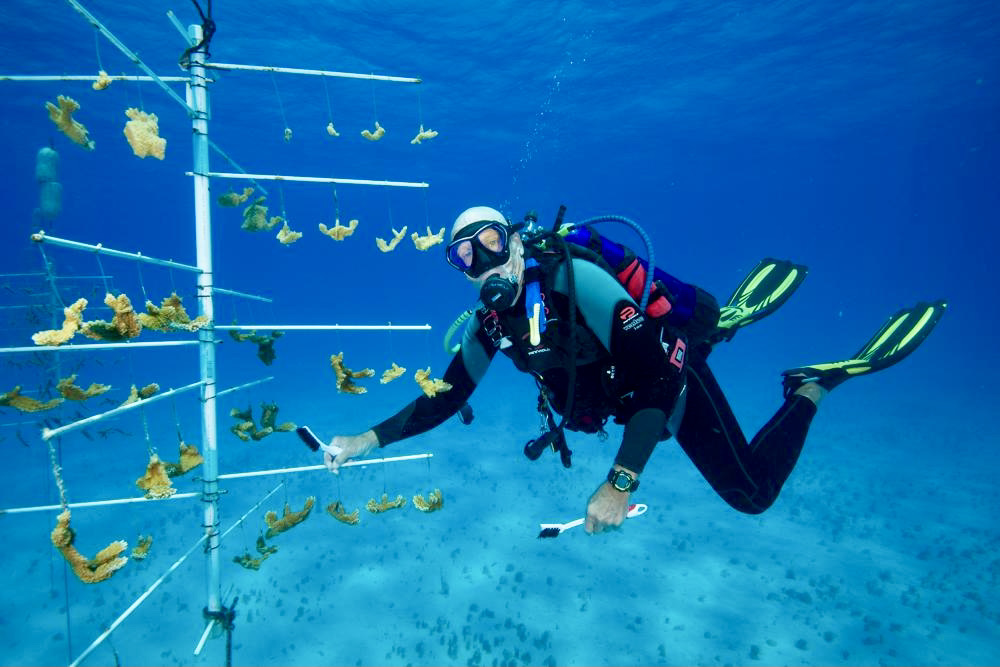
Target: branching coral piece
column 143, row 134
column 123, row 325
column 62, row 116
column 339, row 232
column 232, row 199
column 73, row 321
column 260, row 434
column 74, row 393
column 385, row 504
column 391, row 374
column 135, row 394
column 190, row 458
column 391, row 245
column 337, row 511
column 286, row 235
column 425, row 242
column 101, row 567
column 427, row 385
column 263, row 548
column 331, row 131
column 103, row 81
column 170, row 316
column 255, row 217
column 14, row 399
column 345, row 375
column 142, row 550
column 376, row 135
column 156, row 482
column 248, row 561
column 423, row 135
column 289, row 519
column 265, row 344
column 434, row 502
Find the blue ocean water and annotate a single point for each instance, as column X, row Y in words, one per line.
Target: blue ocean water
column 860, row 139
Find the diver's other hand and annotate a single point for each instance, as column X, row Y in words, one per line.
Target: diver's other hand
column 351, row 446
column 607, row 509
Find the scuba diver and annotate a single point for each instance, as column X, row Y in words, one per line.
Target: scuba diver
column 607, row 335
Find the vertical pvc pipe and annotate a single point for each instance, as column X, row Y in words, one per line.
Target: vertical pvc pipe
column 198, row 93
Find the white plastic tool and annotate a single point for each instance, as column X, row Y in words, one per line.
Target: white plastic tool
column 555, row 529
column 314, row 443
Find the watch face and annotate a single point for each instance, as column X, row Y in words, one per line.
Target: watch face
column 622, row 481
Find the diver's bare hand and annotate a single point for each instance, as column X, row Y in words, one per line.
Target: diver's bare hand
column 606, row 509
column 351, row 446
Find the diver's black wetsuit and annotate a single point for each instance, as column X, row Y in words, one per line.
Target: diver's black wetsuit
column 629, row 367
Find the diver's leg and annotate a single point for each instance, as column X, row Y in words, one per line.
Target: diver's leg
column 747, row 476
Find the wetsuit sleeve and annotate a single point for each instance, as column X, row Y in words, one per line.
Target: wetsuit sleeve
column 643, row 374
column 464, row 372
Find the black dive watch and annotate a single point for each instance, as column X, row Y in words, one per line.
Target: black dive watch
column 622, row 481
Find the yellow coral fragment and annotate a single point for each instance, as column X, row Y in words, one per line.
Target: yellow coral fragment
column 142, row 550
column 62, row 116
column 391, row 245
column 339, row 232
column 391, row 374
column 232, row 199
column 423, row 135
column 69, row 390
column 190, row 458
column 376, row 135
column 103, row 81
column 73, row 321
column 123, row 325
column 427, row 385
column 434, row 502
column 286, row 235
column 14, row 399
column 289, row 519
column 170, row 316
column 156, row 482
column 338, row 512
column 385, row 504
column 135, row 394
column 249, row 562
column 90, row 571
column 425, row 242
column 331, row 131
column 143, row 134
column 345, row 375
column 255, row 217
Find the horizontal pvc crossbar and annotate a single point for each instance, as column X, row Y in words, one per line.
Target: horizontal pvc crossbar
column 219, row 290
column 225, row 156
column 49, row 433
column 312, row 72
column 97, row 346
column 95, row 503
column 313, row 179
column 325, row 327
column 91, row 77
column 286, row 471
column 243, row 386
column 130, row 55
column 42, row 237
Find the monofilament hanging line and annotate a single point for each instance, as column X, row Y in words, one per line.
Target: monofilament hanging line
column 104, row 276
column 50, row 276
column 281, row 107
column 329, row 109
column 97, row 48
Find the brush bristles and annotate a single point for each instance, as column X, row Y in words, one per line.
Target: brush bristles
column 549, row 532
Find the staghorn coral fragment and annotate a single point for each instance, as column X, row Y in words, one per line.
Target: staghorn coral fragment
column 62, row 116
column 71, row 324
column 425, row 242
column 255, row 217
column 74, row 393
column 142, row 132
column 123, row 325
column 376, row 135
column 427, row 385
column 260, row 434
column 155, row 482
column 248, row 561
column 103, row 81
column 240, row 433
column 391, row 374
column 286, row 235
column 262, row 547
column 170, row 316
column 423, row 135
column 245, row 415
column 190, row 458
column 142, row 550
column 345, row 375
column 284, row 427
column 265, row 344
column 434, row 502
column 331, row 131
column 89, row 571
column 135, row 394
column 14, row 399
column 339, row 232
column 233, row 199
column 391, row 245
column 385, row 504
column 288, row 519
column 337, row 511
